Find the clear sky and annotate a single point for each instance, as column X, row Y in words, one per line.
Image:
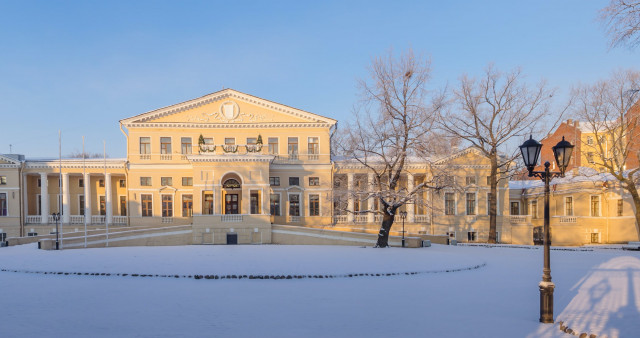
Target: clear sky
column 82, row 66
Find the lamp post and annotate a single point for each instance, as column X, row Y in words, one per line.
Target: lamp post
column 56, row 217
column 403, row 215
column 530, row 152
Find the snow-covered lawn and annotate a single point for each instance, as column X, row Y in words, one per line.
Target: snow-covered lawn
column 596, row 291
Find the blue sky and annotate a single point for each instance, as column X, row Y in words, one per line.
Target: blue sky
column 82, row 66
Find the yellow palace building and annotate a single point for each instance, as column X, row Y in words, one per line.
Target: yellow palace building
column 235, row 168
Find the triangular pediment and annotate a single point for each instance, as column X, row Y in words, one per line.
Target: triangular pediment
column 8, row 160
column 470, row 156
column 228, row 107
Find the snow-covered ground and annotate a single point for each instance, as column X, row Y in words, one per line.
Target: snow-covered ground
column 596, row 292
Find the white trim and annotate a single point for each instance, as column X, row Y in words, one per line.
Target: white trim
column 519, row 207
column 279, row 203
column 172, row 204
column 301, row 207
column 181, row 206
column 152, row 206
column 466, row 211
column 455, row 203
column 278, row 150
column 308, row 213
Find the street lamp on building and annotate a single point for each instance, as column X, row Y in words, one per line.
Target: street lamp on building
column 56, row 217
column 403, row 215
column 530, row 152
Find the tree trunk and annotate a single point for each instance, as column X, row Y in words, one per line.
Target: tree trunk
column 383, row 236
column 631, row 187
column 493, row 199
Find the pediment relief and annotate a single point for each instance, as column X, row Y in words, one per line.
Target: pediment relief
column 469, row 156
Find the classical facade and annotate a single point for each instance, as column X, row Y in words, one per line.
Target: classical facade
column 231, row 165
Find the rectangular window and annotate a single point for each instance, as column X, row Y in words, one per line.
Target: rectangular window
column 274, row 204
column 208, row 141
column 489, row 203
column 81, row 204
column 595, row 206
column 590, row 140
column 101, row 183
column 274, row 181
column 273, row 145
column 449, row 203
column 3, row 180
column 568, row 206
column 590, row 157
column 470, row 180
column 167, row 206
column 123, row 184
column 471, row 203
column 207, row 204
column 294, row 205
column 314, row 148
column 620, row 207
column 534, row 209
column 165, row 145
column 187, row 205
column 103, row 206
column 488, row 180
column 292, row 148
column 472, row 236
column 229, row 141
column 166, row 181
column 81, row 183
column 252, row 141
column 185, row 145
column 39, row 183
column 515, row 208
column 254, row 199
column 294, row 181
column 314, row 181
column 314, row 205
column 187, row 181
column 145, row 145
column 3, row 204
column 145, row 181
column 123, row 206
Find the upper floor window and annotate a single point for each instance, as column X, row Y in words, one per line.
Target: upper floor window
column 470, row 180
column 292, row 147
column 208, row 140
column 145, row 145
column 81, row 183
column 620, row 206
column 471, row 203
column 314, row 146
column 273, row 145
column 294, row 180
column 590, row 140
column 274, row 181
column 123, row 184
column 595, row 206
column 229, row 141
column 187, row 181
column 568, row 206
column 314, row 181
column 3, row 180
column 166, row 181
column 101, row 183
column 165, row 145
column 449, row 203
column 252, row 141
column 534, row 209
column 515, row 208
column 185, row 145
column 589, row 157
column 145, row 181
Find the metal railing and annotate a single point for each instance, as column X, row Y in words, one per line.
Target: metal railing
column 231, row 218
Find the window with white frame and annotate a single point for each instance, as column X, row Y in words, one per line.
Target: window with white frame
column 274, row 204
column 471, row 203
column 449, row 203
column 515, row 208
column 314, row 181
column 568, row 206
column 165, row 145
column 273, row 145
column 167, row 206
column 3, row 180
column 314, row 205
column 595, row 206
column 145, row 181
column 292, row 147
column 294, row 205
column 187, row 181
column 185, row 145
column 274, row 181
column 3, row 204
column 314, row 148
column 147, row 205
column 590, row 140
column 534, row 208
column 470, row 180
column 166, row 181
column 145, row 145
column 187, row 205
column 207, row 204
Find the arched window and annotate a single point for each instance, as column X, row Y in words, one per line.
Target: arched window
column 231, row 184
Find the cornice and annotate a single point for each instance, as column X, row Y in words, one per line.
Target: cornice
column 228, row 125
column 230, row 158
column 9, row 166
column 76, row 164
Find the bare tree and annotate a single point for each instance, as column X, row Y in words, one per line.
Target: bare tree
column 622, row 20
column 392, row 124
column 489, row 113
column 609, row 112
column 79, row 154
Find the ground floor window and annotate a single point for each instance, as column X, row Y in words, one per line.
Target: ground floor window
column 314, row 205
column 294, row 205
column 167, row 206
column 472, row 236
column 3, row 204
column 207, row 204
column 103, row 206
column 81, row 204
column 595, row 206
column 123, row 206
column 595, row 237
column 254, row 199
column 187, row 205
column 146, row 202
column 534, row 208
column 274, row 204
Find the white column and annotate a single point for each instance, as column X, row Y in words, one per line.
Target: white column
column 107, row 189
column 44, row 198
column 66, row 206
column 25, row 195
column 411, row 208
column 371, row 216
column 350, row 203
column 87, row 197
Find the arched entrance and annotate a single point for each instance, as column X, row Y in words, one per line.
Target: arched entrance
column 231, row 194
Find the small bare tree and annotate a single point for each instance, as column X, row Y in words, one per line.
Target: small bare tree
column 622, row 20
column 392, row 123
column 609, row 111
column 489, row 113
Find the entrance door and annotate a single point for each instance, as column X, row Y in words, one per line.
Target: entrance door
column 231, row 204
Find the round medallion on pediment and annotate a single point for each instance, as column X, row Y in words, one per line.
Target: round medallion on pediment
column 229, row 110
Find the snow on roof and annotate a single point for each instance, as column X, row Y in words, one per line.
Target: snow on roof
column 577, row 175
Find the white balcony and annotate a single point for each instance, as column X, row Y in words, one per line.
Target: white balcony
column 568, row 219
column 120, row 220
column 166, row 157
column 98, row 219
column 294, row 219
column 231, row 218
column 167, row 220
column 33, row 219
column 340, row 219
column 361, row 219
column 145, row 157
column 518, row 219
column 76, row 219
column 422, row 218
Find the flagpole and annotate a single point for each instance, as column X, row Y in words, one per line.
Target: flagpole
column 84, row 176
column 104, row 150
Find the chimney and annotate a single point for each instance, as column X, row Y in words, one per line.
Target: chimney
column 569, row 121
column 575, row 123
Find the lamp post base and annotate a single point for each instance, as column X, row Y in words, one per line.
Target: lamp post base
column 546, row 302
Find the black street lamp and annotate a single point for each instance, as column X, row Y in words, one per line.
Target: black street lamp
column 403, row 215
column 56, row 217
column 530, row 152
